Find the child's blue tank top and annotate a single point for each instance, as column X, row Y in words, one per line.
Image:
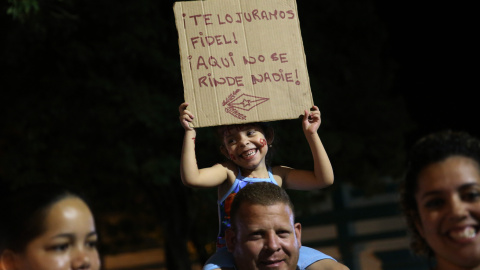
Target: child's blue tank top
column 225, row 202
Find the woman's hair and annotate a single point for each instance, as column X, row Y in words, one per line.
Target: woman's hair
column 267, row 128
column 431, row 149
column 23, row 213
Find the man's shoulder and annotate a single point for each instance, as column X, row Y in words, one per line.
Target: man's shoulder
column 327, row 264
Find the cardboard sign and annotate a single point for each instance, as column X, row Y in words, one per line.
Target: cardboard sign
column 242, row 61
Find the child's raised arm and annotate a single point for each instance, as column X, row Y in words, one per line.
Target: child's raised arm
column 322, row 175
column 191, row 175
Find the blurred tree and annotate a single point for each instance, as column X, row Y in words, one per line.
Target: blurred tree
column 20, row 10
column 90, row 92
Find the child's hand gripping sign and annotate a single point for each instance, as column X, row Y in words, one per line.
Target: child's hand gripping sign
column 242, row 61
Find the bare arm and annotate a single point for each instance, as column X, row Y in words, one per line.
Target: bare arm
column 322, row 175
column 191, row 175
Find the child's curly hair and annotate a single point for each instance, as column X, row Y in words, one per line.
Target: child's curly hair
column 431, row 149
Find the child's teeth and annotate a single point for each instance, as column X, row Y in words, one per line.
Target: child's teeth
column 250, row 153
column 468, row 232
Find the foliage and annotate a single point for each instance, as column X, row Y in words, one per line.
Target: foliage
column 21, row 9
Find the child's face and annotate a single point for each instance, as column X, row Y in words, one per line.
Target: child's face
column 246, row 145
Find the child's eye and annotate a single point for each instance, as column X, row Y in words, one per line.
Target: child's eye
column 229, row 140
column 250, row 132
column 59, row 247
column 92, row 244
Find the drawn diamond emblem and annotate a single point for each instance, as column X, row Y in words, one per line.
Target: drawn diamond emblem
column 246, row 102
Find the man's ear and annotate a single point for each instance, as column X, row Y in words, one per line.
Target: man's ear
column 7, row 260
column 298, row 233
column 230, row 239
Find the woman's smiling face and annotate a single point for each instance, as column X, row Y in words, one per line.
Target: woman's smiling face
column 68, row 242
column 448, row 199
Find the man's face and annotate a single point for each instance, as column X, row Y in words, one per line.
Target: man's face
column 265, row 238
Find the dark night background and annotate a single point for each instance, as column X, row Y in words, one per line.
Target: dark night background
column 90, row 90
column 433, row 45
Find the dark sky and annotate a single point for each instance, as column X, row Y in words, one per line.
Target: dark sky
column 433, row 45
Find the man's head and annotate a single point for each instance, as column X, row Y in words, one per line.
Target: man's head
column 263, row 233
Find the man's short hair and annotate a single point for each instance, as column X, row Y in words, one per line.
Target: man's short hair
column 260, row 193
